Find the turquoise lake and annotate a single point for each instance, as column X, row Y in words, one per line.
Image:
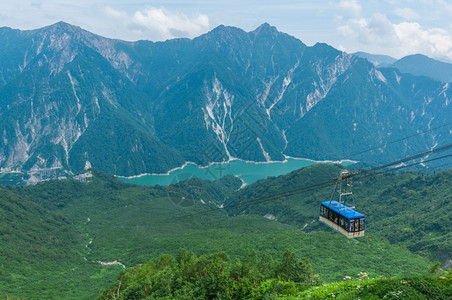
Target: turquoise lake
column 247, row 171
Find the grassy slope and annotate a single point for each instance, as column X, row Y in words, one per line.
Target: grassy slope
column 416, row 287
column 132, row 224
column 412, row 210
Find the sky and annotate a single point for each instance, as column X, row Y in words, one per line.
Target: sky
column 391, row 27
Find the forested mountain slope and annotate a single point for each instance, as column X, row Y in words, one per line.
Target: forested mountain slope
column 70, row 99
column 75, row 237
column 408, row 209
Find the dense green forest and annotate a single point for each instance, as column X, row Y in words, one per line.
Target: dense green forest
column 213, row 276
column 216, row 276
column 408, row 209
column 70, row 239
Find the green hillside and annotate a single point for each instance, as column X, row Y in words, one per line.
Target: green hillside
column 71, row 99
column 416, row 287
column 422, row 65
column 409, row 209
column 216, row 276
column 57, row 233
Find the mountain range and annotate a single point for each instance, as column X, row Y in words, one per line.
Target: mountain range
column 73, row 238
column 377, row 59
column 70, row 100
column 417, row 64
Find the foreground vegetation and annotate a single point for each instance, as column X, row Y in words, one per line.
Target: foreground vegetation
column 409, row 209
column 414, row 287
column 68, row 239
column 216, row 276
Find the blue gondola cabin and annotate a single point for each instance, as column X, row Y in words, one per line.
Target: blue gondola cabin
column 342, row 219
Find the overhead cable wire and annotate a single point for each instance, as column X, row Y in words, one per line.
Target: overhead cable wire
column 439, row 166
column 257, row 200
column 426, row 153
column 366, row 173
column 405, row 166
column 315, row 187
column 399, row 140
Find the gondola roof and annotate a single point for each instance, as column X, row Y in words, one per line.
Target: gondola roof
column 344, row 210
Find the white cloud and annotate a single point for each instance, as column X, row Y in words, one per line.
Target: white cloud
column 435, row 41
column 113, row 13
column 160, row 24
column 447, row 7
column 374, row 30
column 407, row 13
column 351, row 7
column 397, row 39
column 37, row 5
column 341, row 48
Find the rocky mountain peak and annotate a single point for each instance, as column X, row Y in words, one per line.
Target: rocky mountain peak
column 223, row 32
column 62, row 26
column 62, row 29
column 266, row 28
column 256, row 95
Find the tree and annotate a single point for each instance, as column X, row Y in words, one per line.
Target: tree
column 298, row 270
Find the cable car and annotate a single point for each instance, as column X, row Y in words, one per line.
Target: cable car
column 337, row 214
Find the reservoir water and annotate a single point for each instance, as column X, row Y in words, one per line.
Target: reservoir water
column 249, row 172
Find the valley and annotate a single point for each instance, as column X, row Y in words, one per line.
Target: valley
column 247, row 171
column 195, row 167
column 55, row 221
column 67, row 94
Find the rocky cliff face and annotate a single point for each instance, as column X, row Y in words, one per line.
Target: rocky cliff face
column 70, row 99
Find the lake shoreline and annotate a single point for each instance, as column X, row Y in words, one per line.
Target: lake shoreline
column 168, row 173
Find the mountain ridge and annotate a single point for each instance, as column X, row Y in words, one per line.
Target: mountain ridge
column 415, row 64
column 421, row 65
column 93, row 219
column 257, row 96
